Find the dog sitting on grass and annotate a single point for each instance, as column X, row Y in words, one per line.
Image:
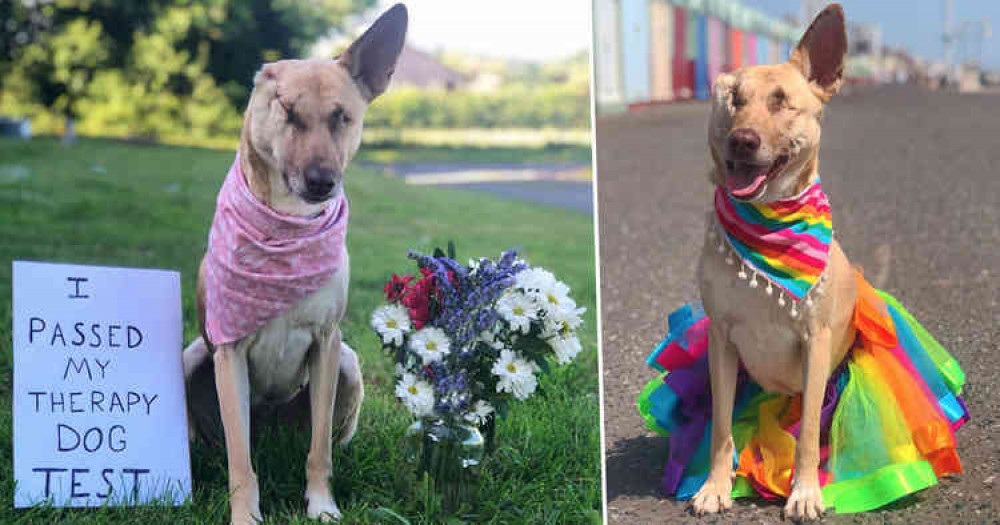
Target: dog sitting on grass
column 272, row 287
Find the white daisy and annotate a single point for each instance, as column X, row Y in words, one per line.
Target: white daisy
column 518, row 310
column 556, row 297
column 391, row 322
column 516, row 374
column 417, row 395
column 480, row 413
column 534, row 279
column 566, row 348
column 562, row 319
column 431, row 344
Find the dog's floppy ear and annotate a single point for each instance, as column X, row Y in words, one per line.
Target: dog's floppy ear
column 371, row 59
column 820, row 53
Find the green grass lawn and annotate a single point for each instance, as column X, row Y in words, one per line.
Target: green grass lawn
column 112, row 203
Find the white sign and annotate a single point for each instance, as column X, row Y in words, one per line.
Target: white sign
column 99, row 409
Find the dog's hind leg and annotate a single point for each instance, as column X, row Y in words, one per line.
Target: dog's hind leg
column 347, row 404
column 194, row 356
column 716, row 493
column 350, row 394
column 202, row 398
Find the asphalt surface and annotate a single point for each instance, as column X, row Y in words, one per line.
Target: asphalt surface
column 556, row 184
column 914, row 180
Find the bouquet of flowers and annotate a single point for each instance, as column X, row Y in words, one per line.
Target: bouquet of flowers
column 469, row 339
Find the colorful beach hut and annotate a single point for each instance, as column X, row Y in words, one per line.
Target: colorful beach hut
column 607, row 56
column 635, row 50
column 661, row 16
column 682, row 69
column 716, row 47
column 698, row 51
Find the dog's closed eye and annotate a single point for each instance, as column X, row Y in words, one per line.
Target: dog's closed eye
column 338, row 117
column 738, row 99
column 777, row 100
column 293, row 118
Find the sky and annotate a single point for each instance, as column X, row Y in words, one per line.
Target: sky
column 913, row 24
column 541, row 30
column 532, row 30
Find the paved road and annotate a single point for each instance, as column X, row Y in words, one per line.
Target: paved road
column 563, row 185
column 914, row 179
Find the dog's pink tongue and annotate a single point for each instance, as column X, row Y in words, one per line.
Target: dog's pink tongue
column 744, row 185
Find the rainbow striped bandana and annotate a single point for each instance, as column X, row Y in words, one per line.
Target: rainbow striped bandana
column 786, row 242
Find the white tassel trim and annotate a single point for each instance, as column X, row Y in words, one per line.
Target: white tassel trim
column 750, row 274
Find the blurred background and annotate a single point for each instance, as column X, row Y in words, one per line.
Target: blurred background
column 652, row 51
column 179, row 71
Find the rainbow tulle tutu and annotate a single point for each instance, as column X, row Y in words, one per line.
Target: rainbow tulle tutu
column 888, row 420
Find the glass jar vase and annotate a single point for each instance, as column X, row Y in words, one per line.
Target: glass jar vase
column 450, row 453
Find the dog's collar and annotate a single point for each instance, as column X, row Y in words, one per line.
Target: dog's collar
column 786, row 243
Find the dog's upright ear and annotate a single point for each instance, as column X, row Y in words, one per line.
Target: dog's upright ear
column 371, row 59
column 820, row 53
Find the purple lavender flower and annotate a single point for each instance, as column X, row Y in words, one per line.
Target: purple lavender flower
column 468, row 297
column 465, row 307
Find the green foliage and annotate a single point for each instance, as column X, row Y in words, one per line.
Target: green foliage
column 181, row 71
column 109, row 203
column 63, row 63
column 151, row 69
column 550, row 95
column 516, row 106
column 572, row 72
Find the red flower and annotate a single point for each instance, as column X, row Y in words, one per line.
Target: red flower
column 417, row 299
column 395, row 287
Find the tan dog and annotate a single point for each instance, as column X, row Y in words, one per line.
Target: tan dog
column 302, row 127
column 766, row 123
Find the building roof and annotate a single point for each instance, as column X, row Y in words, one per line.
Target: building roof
column 420, row 69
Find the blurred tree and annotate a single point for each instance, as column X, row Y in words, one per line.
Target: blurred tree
column 21, row 25
column 256, row 31
column 66, row 60
column 158, row 55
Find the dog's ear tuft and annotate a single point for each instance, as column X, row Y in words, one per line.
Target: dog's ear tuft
column 371, row 59
column 820, row 53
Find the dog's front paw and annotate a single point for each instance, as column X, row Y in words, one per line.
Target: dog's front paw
column 322, row 507
column 244, row 506
column 806, row 500
column 714, row 496
column 245, row 515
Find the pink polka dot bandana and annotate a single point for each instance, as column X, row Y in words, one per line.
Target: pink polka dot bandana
column 261, row 262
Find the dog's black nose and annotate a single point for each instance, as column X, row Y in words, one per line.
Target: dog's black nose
column 319, row 180
column 744, row 142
